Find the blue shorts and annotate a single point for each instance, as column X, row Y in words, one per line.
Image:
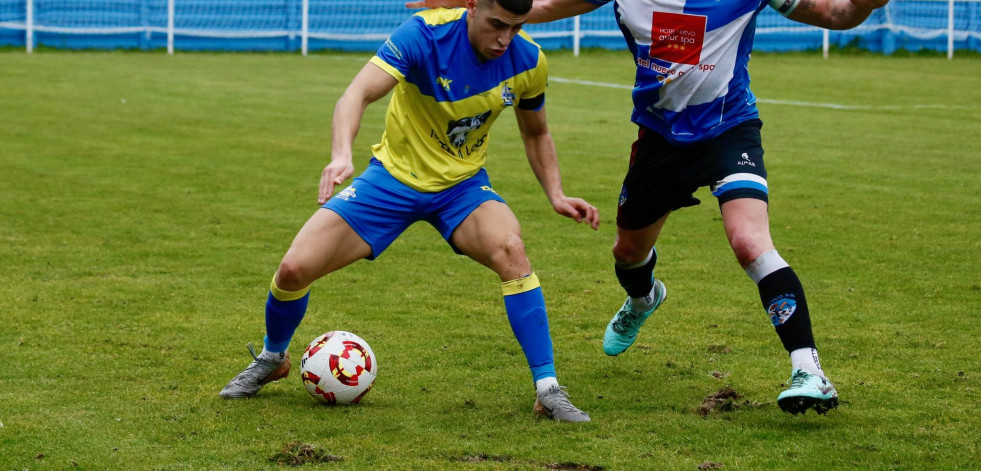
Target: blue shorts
column 380, row 208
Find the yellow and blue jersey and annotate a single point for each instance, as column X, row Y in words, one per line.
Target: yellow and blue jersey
column 439, row 118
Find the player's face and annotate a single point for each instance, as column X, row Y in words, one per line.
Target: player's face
column 491, row 28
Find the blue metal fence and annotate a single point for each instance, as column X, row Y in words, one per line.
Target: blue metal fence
column 276, row 25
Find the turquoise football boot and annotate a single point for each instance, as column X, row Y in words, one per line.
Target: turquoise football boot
column 622, row 329
column 808, row 391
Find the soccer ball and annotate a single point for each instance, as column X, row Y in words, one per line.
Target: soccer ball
column 338, row 368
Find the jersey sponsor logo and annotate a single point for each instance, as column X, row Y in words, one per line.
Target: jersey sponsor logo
column 444, row 82
column 459, row 133
column 677, row 37
column 507, row 95
column 459, row 130
column 781, row 308
column 664, row 74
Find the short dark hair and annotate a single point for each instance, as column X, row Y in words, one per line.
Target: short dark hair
column 518, row 7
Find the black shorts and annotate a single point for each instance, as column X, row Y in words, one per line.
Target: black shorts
column 664, row 177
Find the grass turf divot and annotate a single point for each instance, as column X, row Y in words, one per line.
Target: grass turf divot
column 299, row 453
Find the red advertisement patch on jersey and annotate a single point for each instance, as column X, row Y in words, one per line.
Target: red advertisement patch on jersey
column 677, row 37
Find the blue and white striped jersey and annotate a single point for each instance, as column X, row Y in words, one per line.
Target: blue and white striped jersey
column 692, row 78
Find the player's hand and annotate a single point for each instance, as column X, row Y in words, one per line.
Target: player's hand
column 436, row 4
column 577, row 209
column 334, row 174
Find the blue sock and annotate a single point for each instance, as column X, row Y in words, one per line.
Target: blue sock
column 525, row 306
column 284, row 311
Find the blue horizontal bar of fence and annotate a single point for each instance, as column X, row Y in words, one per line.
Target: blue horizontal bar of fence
column 362, row 25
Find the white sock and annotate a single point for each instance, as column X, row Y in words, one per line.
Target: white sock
column 277, row 357
column 766, row 263
column 807, row 359
column 545, row 384
column 640, row 263
column 644, row 304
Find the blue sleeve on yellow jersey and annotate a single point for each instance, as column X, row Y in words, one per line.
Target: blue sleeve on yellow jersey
column 403, row 49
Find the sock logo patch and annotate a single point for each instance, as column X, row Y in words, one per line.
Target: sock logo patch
column 781, row 308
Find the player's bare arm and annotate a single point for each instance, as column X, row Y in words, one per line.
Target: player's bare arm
column 540, row 150
column 370, row 85
column 542, row 11
column 832, row 14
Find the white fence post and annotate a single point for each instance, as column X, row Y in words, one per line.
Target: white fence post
column 950, row 29
column 576, row 34
column 305, row 34
column 29, row 27
column 825, row 43
column 170, row 27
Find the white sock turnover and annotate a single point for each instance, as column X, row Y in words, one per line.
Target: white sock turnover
column 807, row 359
column 545, row 384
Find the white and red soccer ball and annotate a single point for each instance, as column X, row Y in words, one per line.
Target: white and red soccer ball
column 338, row 368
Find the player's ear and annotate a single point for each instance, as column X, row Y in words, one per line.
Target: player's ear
column 471, row 5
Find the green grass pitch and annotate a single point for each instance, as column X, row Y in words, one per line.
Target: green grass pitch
column 145, row 201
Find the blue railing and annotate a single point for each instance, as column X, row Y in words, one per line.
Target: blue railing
column 277, row 25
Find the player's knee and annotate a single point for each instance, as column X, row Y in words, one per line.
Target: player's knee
column 291, row 276
column 747, row 247
column 511, row 253
column 513, row 247
column 627, row 253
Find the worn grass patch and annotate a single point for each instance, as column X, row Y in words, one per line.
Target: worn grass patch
column 725, row 400
column 565, row 465
column 298, row 454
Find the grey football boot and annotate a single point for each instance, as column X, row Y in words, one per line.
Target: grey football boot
column 256, row 375
column 555, row 403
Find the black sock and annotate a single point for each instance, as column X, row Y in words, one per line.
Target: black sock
column 638, row 281
column 783, row 298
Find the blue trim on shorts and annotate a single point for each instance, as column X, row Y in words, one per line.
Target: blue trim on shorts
column 379, row 207
column 737, row 185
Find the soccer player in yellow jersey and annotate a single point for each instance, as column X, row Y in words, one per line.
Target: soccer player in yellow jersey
column 453, row 71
